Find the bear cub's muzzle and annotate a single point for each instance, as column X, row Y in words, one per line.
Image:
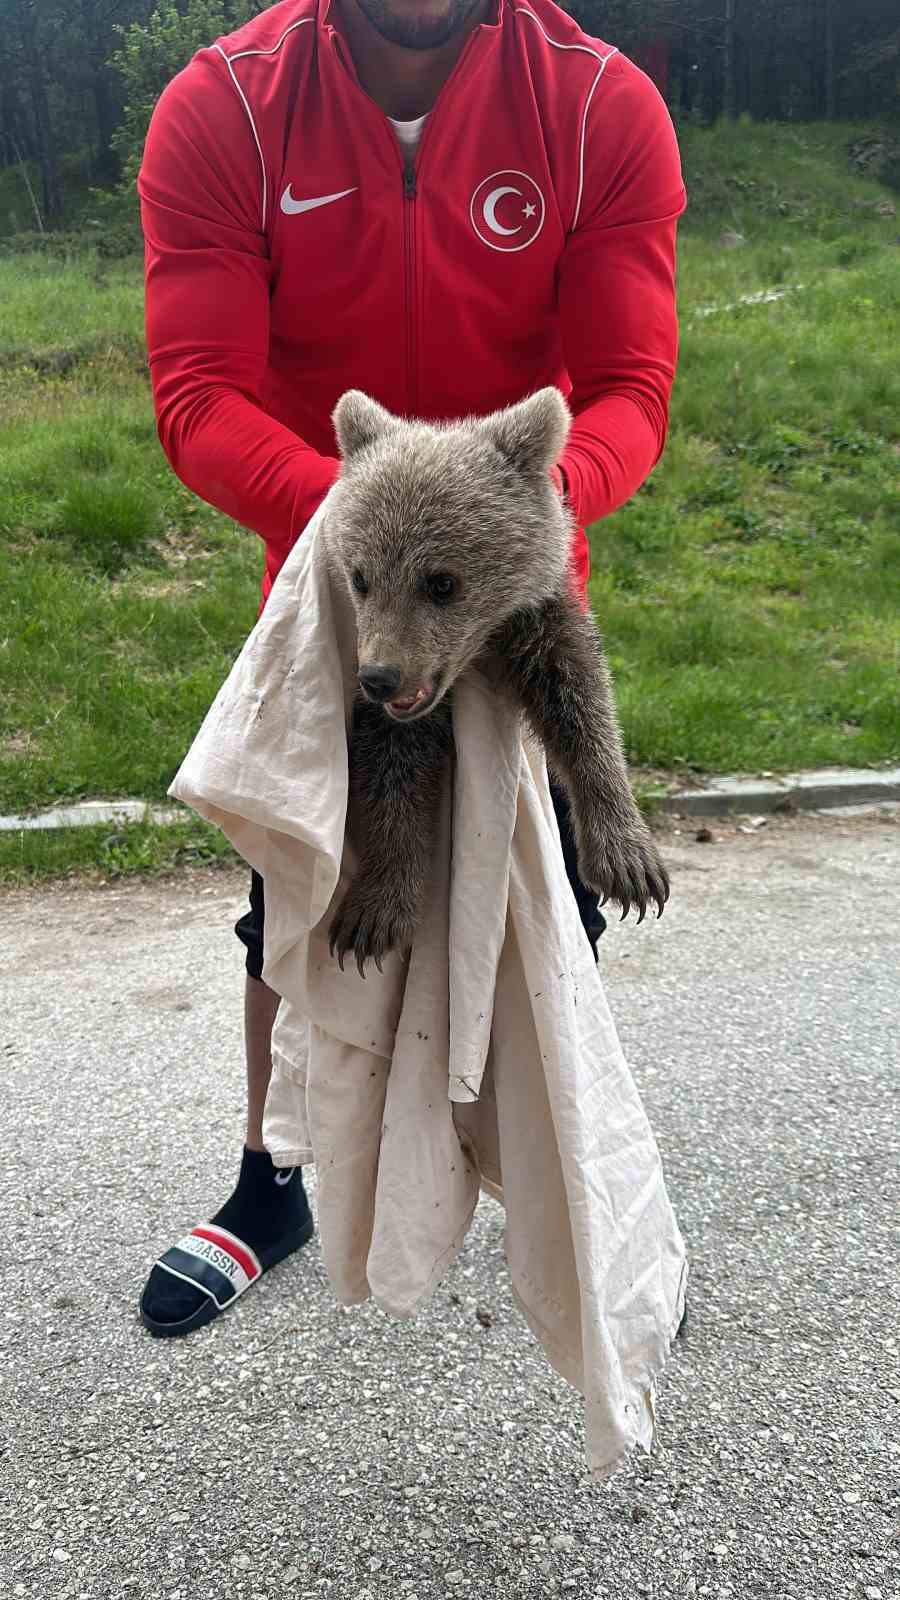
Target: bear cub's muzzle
column 382, row 684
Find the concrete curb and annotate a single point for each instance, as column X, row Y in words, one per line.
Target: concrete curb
column 828, row 789
column 88, row 813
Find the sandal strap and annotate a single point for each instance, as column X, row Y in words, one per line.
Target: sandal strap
column 215, row 1261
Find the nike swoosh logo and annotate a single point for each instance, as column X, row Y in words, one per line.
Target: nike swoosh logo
column 292, row 207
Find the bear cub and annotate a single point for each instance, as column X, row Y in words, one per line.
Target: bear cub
column 454, row 544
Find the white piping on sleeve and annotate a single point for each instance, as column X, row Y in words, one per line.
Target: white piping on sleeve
column 246, row 106
column 522, row 11
column 587, row 107
column 239, row 56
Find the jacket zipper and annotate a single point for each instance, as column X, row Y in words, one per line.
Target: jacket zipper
column 409, row 270
column 410, row 195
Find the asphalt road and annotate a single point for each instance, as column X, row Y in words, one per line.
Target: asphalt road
column 295, row 1449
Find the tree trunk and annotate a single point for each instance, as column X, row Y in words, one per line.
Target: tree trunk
column 728, row 62
column 773, row 80
column 686, row 74
column 830, row 85
column 106, row 112
column 23, row 168
column 45, row 148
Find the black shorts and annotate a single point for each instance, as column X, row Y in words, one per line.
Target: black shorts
column 249, row 928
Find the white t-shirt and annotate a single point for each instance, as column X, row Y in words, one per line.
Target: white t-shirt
column 409, row 134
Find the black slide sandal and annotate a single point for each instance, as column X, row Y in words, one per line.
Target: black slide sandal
column 221, row 1266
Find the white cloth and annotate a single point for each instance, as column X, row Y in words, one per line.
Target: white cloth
column 489, row 1058
column 409, row 133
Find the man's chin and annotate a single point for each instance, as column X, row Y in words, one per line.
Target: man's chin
column 411, row 26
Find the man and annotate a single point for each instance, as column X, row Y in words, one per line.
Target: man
column 448, row 204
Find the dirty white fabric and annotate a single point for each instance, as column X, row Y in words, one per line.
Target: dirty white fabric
column 489, row 1059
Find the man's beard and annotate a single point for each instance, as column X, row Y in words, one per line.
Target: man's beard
column 417, row 33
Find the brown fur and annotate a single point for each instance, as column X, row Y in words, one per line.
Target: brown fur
column 472, row 505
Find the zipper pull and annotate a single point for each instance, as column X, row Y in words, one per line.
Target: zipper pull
column 409, row 182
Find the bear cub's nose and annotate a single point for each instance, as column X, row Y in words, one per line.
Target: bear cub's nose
column 380, row 683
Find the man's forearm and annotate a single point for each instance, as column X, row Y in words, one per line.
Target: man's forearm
column 613, row 446
column 228, row 451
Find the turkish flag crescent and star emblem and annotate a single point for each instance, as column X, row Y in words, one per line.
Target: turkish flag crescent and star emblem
column 507, row 211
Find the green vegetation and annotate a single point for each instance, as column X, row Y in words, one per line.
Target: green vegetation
column 748, row 594
column 78, row 81
column 105, row 854
column 151, row 53
column 125, row 599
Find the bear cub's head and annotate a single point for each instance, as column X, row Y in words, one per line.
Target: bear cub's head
column 442, row 533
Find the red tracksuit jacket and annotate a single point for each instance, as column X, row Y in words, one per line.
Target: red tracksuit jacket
column 292, row 255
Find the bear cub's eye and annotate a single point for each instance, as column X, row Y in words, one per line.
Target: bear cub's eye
column 441, row 587
column 359, row 582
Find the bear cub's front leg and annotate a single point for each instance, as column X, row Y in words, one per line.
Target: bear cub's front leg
column 396, row 775
column 554, row 665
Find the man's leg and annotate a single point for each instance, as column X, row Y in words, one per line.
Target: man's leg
column 269, row 1215
column 260, row 1006
column 268, row 1210
column 587, row 901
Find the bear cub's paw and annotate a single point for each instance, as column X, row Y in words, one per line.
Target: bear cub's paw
column 624, row 865
column 368, row 924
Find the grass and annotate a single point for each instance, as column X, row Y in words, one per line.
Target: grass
column 106, row 854
column 125, row 599
column 748, row 594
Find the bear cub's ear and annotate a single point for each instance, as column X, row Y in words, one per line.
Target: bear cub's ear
column 359, row 421
column 532, row 435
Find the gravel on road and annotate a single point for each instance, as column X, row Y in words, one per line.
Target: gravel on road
column 296, row 1449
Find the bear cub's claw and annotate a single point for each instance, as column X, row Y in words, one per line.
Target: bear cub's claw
column 624, row 867
column 367, row 927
